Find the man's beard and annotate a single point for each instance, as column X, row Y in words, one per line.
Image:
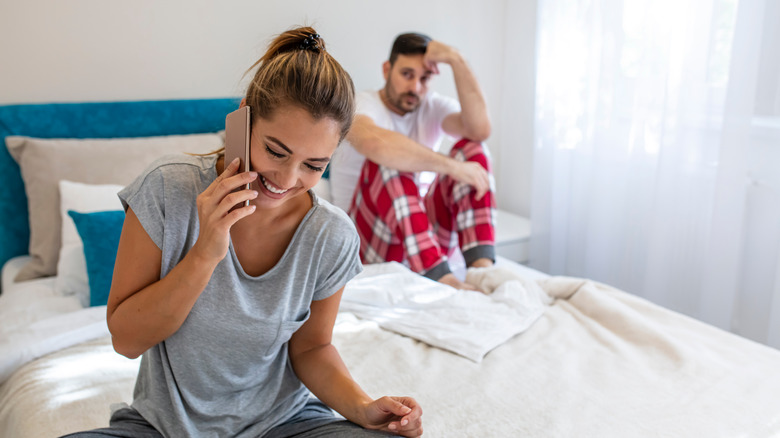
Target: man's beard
column 399, row 102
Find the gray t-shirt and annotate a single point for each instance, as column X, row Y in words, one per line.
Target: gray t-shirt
column 226, row 371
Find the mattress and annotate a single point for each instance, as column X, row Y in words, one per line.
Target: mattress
column 597, row 362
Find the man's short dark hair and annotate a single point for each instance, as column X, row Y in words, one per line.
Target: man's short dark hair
column 409, row 44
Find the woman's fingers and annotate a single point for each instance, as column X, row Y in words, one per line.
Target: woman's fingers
column 225, row 193
column 229, row 180
column 225, row 210
column 229, row 170
column 220, row 206
column 407, row 413
column 229, row 184
column 237, row 214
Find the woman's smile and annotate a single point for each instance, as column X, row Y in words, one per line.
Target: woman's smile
column 271, row 187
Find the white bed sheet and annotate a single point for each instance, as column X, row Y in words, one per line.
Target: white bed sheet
column 36, row 320
column 599, row 362
column 10, row 269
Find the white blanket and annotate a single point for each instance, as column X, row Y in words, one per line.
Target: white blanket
column 597, row 363
column 467, row 323
column 37, row 321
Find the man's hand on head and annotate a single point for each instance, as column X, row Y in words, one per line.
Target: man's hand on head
column 437, row 52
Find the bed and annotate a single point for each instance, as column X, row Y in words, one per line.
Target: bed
column 541, row 356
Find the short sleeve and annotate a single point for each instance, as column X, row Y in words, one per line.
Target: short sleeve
column 145, row 196
column 341, row 260
column 442, row 106
column 368, row 103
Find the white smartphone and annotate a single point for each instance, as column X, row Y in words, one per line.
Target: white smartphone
column 238, row 126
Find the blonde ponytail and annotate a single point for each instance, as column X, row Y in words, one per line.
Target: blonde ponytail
column 297, row 70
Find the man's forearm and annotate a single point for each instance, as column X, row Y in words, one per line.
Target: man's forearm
column 474, row 113
column 397, row 151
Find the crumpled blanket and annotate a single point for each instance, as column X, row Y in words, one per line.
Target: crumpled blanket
column 467, row 323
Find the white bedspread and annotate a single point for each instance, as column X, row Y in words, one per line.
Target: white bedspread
column 597, row 363
column 37, row 321
column 464, row 322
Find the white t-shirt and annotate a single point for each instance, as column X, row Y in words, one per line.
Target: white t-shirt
column 422, row 125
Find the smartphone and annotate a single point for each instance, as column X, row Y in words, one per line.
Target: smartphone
column 238, row 125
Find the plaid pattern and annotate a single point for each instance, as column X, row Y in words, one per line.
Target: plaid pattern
column 396, row 224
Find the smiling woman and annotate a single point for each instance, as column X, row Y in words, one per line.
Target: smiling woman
column 289, row 152
column 257, row 287
column 286, row 154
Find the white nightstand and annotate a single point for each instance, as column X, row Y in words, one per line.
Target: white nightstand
column 512, row 235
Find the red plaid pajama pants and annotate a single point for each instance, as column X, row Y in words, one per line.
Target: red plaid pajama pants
column 395, row 223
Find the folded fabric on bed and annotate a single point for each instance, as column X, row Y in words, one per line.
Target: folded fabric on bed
column 464, row 322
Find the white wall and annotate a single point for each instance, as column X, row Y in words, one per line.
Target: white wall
column 514, row 124
column 97, row 50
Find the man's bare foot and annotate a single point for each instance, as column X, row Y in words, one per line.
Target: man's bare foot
column 481, row 263
column 451, row 280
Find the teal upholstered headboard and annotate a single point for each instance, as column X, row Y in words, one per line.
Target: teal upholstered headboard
column 89, row 120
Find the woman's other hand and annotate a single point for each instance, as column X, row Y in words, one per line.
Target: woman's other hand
column 398, row 415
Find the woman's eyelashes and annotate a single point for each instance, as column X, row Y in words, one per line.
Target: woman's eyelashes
column 314, row 168
column 275, row 154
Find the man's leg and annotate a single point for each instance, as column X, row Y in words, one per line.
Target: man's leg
column 389, row 216
column 453, row 208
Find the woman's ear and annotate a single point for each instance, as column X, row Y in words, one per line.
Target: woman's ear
column 243, row 103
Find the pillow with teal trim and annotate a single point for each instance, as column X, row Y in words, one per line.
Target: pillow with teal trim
column 99, row 232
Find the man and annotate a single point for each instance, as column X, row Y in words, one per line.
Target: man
column 395, row 135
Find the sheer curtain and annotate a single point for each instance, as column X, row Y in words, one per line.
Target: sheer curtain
column 657, row 153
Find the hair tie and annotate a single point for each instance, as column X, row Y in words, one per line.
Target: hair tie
column 311, row 42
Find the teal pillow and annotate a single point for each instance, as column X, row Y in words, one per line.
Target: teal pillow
column 99, row 232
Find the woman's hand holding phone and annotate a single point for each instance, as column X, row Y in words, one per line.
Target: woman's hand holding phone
column 216, row 210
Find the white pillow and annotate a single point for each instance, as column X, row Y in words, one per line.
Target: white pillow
column 72, row 266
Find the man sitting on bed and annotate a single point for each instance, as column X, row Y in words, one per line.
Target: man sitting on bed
column 396, row 133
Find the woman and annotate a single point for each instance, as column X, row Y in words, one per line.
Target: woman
column 233, row 308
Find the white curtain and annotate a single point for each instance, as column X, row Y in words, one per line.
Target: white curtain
column 657, row 153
